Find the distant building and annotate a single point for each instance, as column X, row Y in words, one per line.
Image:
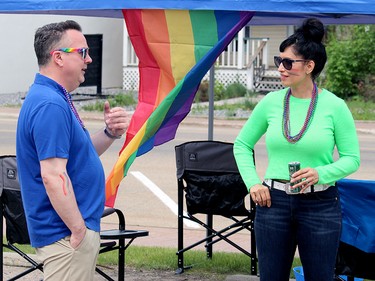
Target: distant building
column 118, row 63
column 248, row 59
column 18, row 62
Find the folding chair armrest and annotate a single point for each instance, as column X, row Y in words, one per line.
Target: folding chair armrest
column 122, row 234
column 107, row 212
column 120, row 215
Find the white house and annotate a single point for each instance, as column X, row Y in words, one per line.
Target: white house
column 246, row 60
column 18, row 63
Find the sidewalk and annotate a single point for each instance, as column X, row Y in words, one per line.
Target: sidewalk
column 365, row 127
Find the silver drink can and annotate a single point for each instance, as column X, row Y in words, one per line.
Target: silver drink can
column 294, row 167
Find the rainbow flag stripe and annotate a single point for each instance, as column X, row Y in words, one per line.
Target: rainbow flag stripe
column 175, row 48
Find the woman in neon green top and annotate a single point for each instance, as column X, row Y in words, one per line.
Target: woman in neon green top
column 302, row 123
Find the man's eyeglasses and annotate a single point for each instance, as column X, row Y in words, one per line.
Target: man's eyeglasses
column 83, row 51
column 287, row 63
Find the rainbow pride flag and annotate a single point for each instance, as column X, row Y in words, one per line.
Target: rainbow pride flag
column 175, row 48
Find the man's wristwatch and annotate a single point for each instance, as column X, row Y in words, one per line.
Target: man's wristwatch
column 108, row 134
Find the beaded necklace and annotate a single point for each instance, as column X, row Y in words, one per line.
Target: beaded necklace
column 309, row 116
column 71, row 105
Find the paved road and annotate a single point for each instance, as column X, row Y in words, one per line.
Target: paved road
column 144, row 209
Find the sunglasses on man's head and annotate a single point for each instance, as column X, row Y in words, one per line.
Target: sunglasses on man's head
column 83, row 51
column 287, row 63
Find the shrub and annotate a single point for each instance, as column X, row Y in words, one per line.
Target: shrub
column 202, row 94
column 235, row 90
column 350, row 59
column 219, row 90
column 117, row 100
column 122, row 100
column 367, row 88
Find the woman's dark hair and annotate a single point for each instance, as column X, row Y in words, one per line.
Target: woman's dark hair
column 307, row 42
column 48, row 36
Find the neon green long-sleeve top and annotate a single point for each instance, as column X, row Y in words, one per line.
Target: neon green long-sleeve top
column 332, row 126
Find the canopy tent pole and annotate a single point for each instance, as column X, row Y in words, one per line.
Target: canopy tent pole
column 211, row 104
column 211, row 91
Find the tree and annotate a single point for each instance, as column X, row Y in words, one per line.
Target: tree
column 351, row 59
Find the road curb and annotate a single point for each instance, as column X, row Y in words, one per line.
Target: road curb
column 363, row 127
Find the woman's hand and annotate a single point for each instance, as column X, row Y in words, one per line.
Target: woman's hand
column 260, row 195
column 308, row 177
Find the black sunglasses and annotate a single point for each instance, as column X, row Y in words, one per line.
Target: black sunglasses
column 287, row 63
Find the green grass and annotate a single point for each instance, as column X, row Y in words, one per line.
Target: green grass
column 162, row 258
column 361, row 110
column 247, row 104
column 117, row 100
column 24, row 248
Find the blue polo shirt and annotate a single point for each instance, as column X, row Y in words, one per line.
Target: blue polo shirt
column 47, row 128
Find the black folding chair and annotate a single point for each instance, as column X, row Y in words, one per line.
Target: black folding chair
column 353, row 262
column 208, row 174
column 356, row 255
column 16, row 227
column 114, row 239
column 12, row 210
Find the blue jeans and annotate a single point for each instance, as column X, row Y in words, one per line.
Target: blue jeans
column 312, row 221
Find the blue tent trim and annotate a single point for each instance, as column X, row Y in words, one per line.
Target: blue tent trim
column 357, row 199
column 267, row 12
column 295, row 6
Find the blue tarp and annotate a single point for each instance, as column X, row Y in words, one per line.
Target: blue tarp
column 358, row 209
column 268, row 12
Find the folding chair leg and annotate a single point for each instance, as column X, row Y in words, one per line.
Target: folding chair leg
column 254, row 260
column 180, row 237
column 23, row 273
column 219, row 234
column 1, row 235
column 209, row 232
column 34, row 264
column 103, row 274
column 26, row 257
column 121, row 260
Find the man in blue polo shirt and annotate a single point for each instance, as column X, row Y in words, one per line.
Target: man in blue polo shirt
column 62, row 178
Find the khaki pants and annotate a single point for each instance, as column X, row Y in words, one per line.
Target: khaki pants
column 61, row 262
